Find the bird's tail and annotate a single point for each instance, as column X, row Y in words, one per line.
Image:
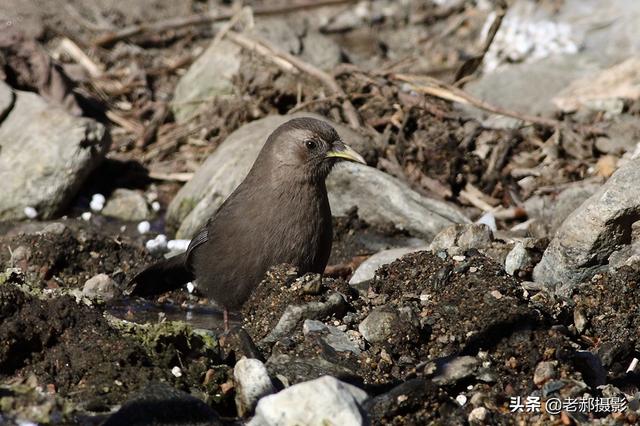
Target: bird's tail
column 165, row 275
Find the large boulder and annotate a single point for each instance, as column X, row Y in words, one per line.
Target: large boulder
column 601, row 225
column 379, row 197
column 45, row 154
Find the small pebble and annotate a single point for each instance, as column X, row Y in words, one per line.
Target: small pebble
column 461, row 399
column 459, row 258
column 178, row 245
column 496, row 294
column 478, row 414
column 30, row 212
column 155, row 206
column 144, row 227
column 176, row 371
column 190, row 287
column 158, row 244
column 86, row 216
column 97, row 202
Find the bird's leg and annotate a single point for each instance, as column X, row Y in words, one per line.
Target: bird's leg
column 225, row 317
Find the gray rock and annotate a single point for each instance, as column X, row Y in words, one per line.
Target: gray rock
column 378, row 325
column 380, row 198
column 331, row 336
column 7, row 98
column 554, row 209
column 252, row 382
column 127, row 204
column 367, row 269
column 585, row 240
column 55, row 228
column 518, row 259
column 294, row 315
column 545, row 371
column 298, row 369
column 530, row 87
column 100, row 287
column 45, row 155
column 478, row 415
column 465, row 236
column 449, row 371
column 320, row 50
column 282, row 32
column 622, row 136
column 318, row 402
column 209, row 76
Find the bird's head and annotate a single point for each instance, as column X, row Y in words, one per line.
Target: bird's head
column 310, row 146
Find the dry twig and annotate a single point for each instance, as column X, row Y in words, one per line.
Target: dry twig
column 434, row 87
column 73, row 50
column 290, row 62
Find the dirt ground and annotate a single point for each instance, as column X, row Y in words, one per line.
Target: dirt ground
column 66, row 359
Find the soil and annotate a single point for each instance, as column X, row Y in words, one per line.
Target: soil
column 448, row 308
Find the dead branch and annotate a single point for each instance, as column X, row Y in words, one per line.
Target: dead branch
column 434, row 87
column 207, row 18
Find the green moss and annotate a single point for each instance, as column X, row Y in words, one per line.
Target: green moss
column 170, row 342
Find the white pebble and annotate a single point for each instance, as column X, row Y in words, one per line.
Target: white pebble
column 158, row 244
column 97, row 202
column 176, row 371
column 155, row 206
column 144, row 227
column 86, row 216
column 190, row 287
column 488, row 219
column 30, row 212
column 178, row 245
column 461, row 399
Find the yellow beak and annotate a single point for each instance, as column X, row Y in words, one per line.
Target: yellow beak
column 345, row 152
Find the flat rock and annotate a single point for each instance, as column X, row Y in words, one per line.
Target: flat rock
column 127, row 204
column 601, row 225
column 380, row 198
column 209, row 76
column 45, row 155
column 331, row 336
column 318, row 402
column 367, row 269
column 321, row 50
column 298, row 369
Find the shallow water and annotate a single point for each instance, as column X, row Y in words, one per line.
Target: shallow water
column 143, row 311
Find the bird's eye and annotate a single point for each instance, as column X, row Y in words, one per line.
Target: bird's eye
column 310, row 144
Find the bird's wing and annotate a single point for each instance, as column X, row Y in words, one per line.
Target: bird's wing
column 200, row 238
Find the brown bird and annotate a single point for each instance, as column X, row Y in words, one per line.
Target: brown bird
column 279, row 214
